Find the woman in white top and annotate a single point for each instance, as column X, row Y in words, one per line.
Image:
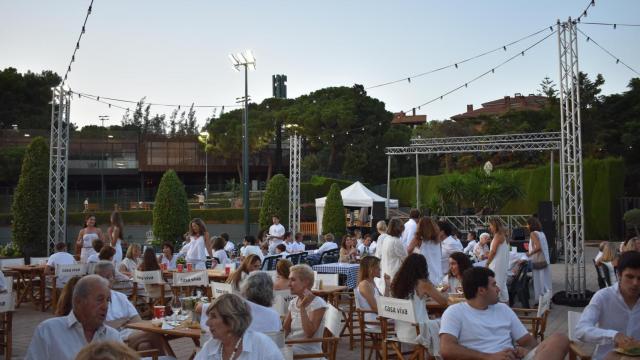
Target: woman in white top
column 452, row 281
column 258, row 291
column 229, row 320
column 86, row 236
column 393, row 251
column 305, row 319
column 609, row 259
column 426, row 242
column 250, row 264
column 199, row 244
column 219, row 252
column 250, row 247
column 167, row 257
column 130, row 263
column 538, row 244
column 116, row 233
column 472, row 241
column 498, row 259
column 366, row 292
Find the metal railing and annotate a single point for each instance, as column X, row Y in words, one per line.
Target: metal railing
column 471, row 222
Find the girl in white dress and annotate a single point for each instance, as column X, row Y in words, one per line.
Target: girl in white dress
column 538, row 243
column 116, row 233
column 199, row 244
column 498, row 259
column 86, row 236
column 426, row 242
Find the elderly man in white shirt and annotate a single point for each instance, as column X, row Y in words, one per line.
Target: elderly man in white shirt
column 410, row 227
column 612, row 318
column 61, row 338
column 449, row 244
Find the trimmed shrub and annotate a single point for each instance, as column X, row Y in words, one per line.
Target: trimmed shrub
column 632, row 220
column 171, row 210
column 275, row 201
column 334, row 220
column 29, row 206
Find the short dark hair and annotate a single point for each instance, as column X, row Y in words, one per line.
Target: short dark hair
column 534, row 224
column 298, row 235
column 446, row 227
column 414, row 213
column 281, row 247
column 225, row 236
column 474, row 278
column 61, row 246
column 97, row 245
column 473, row 234
column 395, row 227
column 250, row 239
column 169, row 244
column 628, row 259
column 275, row 216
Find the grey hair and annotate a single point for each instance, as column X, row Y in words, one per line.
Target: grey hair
column 381, row 225
column 104, row 266
column 86, row 285
column 258, row 288
column 234, row 311
column 306, row 273
column 483, row 235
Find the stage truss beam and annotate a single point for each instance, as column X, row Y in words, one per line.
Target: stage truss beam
column 295, row 157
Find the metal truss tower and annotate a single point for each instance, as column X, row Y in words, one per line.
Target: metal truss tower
column 295, row 157
column 572, row 201
column 58, row 165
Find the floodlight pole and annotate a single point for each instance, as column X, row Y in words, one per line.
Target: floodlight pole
column 245, row 151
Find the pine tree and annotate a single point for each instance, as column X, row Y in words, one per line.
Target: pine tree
column 275, row 202
column 171, row 210
column 334, row 220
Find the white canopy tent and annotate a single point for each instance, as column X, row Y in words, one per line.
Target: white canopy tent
column 355, row 195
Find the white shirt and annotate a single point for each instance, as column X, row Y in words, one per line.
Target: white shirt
column 128, row 265
column 372, row 248
column 264, row 319
column 605, row 316
column 3, row 282
column 489, row 331
column 61, row 258
column 61, row 338
column 449, row 246
column 392, row 255
column 273, row 244
column 329, row 245
column 379, row 246
column 221, row 255
column 276, row 230
column 296, row 247
column 121, row 308
column 409, row 232
column 229, row 246
column 255, row 346
column 251, row 249
column 93, row 258
column 470, row 246
column 171, row 264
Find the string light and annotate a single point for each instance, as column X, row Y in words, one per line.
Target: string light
column 584, row 12
column 179, row 106
column 618, row 61
column 457, row 63
column 73, row 56
column 615, row 25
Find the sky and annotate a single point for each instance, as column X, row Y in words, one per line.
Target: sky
column 177, row 51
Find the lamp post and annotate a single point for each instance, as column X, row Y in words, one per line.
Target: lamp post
column 245, row 60
column 102, row 118
column 205, row 135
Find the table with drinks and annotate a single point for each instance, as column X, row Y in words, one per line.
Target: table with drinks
column 28, row 276
column 347, row 269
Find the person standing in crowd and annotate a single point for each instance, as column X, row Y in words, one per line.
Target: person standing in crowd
column 89, row 232
column 61, row 257
column 481, row 250
column 612, row 318
column 483, row 328
column 393, row 250
column 167, row 257
column 276, row 230
column 116, row 234
column 410, row 227
column 538, row 245
column 452, row 281
column 498, row 258
column 199, row 244
column 448, row 243
column 63, row 337
column 471, row 242
column 381, row 228
column 427, row 243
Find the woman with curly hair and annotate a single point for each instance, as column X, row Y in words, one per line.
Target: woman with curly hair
column 452, row 281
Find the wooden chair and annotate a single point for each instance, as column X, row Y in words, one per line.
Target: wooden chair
column 538, row 323
column 66, row 270
column 154, row 354
column 148, row 278
column 185, row 283
column 369, row 330
column 333, row 326
column 575, row 350
column 406, row 326
column 7, row 307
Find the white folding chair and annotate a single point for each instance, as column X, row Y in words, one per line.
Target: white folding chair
column 189, row 280
column 281, row 300
column 407, row 327
column 10, row 262
column 327, row 279
column 148, row 278
column 7, row 306
column 218, row 289
column 38, row 260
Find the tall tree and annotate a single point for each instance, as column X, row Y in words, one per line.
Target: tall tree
column 275, row 201
column 334, row 220
column 171, row 210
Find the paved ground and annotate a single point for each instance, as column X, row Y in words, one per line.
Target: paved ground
column 26, row 318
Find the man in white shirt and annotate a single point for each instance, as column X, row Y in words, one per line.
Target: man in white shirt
column 471, row 242
column 61, row 338
column 276, row 231
column 612, row 318
column 449, row 244
column 61, row 257
column 228, row 245
column 410, row 227
column 329, row 244
column 482, row 328
column 365, row 246
column 288, row 242
column 298, row 245
column 275, row 242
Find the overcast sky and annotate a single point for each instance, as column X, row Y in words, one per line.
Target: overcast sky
column 176, row 51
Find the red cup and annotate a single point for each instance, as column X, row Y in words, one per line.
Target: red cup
column 163, row 266
column 158, row 312
column 189, row 267
column 180, row 267
column 227, row 269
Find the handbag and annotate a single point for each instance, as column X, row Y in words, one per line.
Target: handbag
column 538, row 261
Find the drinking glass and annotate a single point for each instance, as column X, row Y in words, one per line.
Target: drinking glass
column 176, row 307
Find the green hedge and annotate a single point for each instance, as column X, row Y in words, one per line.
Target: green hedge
column 603, row 185
column 319, row 187
column 144, row 217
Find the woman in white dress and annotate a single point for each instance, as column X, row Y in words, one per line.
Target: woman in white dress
column 86, row 236
column 498, row 259
column 367, row 292
column 305, row 319
column 393, row 251
column 116, row 233
column 426, row 242
column 199, row 245
column 452, row 281
column 537, row 244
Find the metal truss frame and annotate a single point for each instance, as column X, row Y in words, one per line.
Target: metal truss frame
column 492, row 139
column 58, row 167
column 295, row 155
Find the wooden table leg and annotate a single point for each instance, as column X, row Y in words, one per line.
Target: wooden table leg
column 43, row 300
column 167, row 346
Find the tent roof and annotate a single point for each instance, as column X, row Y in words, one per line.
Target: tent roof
column 358, row 195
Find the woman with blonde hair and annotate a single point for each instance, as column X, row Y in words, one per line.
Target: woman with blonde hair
column 498, row 259
column 367, row 292
column 426, row 242
column 609, row 259
column 130, row 263
column 107, row 350
column 381, row 227
column 283, row 268
column 250, row 264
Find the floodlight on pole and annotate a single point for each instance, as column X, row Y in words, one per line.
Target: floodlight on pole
column 205, row 135
column 245, row 60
